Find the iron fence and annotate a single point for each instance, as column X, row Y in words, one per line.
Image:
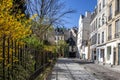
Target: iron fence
column 18, row 59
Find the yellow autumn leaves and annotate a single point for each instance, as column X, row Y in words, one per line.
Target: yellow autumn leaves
column 10, row 25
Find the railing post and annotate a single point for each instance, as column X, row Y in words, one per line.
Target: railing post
column 35, row 60
column 8, row 58
column 18, row 54
column 3, row 55
column 12, row 61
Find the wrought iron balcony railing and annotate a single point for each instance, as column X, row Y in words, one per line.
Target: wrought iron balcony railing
column 109, row 37
column 117, row 35
column 85, row 42
column 102, row 40
column 117, row 12
column 110, row 17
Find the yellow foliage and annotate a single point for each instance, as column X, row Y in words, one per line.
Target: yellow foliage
column 13, row 27
column 10, row 25
column 49, row 48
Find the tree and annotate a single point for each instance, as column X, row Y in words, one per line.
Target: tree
column 49, row 13
column 62, row 47
column 18, row 6
column 9, row 24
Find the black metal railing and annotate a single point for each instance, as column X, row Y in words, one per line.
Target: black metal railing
column 85, row 42
column 110, row 17
column 109, row 37
column 102, row 40
column 19, row 60
column 117, row 35
column 117, row 12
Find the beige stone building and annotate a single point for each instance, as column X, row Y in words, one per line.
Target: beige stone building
column 113, row 32
column 105, row 32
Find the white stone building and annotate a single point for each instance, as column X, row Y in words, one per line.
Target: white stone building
column 83, row 35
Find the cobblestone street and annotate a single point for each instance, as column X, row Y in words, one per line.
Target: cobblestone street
column 72, row 69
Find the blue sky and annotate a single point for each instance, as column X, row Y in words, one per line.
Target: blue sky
column 81, row 6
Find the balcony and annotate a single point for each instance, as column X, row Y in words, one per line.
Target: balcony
column 117, row 12
column 98, row 41
column 85, row 42
column 110, row 17
column 102, row 40
column 117, row 35
column 109, row 37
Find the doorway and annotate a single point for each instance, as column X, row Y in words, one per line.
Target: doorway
column 114, row 62
column 102, row 54
column 119, row 54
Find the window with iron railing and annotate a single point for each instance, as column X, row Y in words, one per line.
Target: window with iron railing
column 99, row 22
column 117, row 7
column 117, row 35
column 103, row 3
column 110, row 12
column 96, row 23
column 94, row 39
column 99, row 7
column 109, row 32
column 98, row 38
column 109, row 37
column 103, row 20
column 102, row 37
column 117, row 29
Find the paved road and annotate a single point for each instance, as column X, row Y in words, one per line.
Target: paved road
column 67, row 69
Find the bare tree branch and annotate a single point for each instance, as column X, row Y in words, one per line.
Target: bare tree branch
column 50, row 12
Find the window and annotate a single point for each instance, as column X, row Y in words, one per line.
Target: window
column 98, row 38
column 102, row 37
column 110, row 11
column 118, row 5
column 103, row 19
column 96, row 23
column 109, row 32
column 99, row 22
column 102, row 53
column 117, row 29
column 108, row 52
column 117, row 24
column 103, row 3
column 92, row 27
column 99, row 7
column 95, row 37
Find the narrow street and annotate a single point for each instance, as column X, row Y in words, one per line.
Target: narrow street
column 72, row 69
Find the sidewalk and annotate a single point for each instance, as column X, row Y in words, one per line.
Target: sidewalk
column 115, row 68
